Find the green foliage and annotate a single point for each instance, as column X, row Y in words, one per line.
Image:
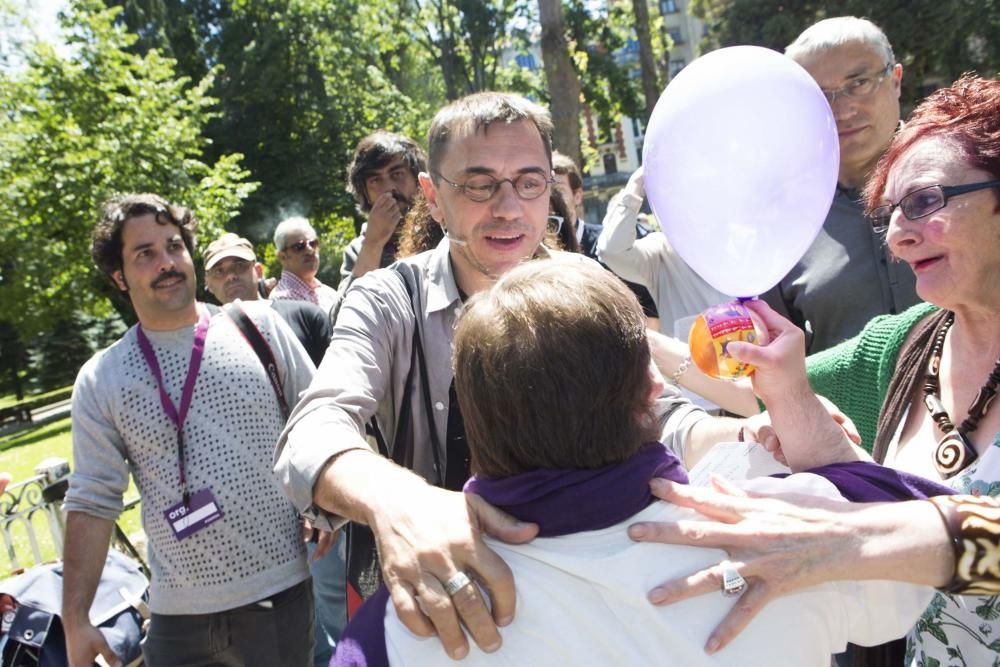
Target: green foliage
column 931, row 38
column 598, row 35
column 75, row 130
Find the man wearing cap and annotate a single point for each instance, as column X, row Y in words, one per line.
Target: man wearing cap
column 232, row 272
column 298, row 251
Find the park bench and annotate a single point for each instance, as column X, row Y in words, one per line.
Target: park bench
column 15, row 414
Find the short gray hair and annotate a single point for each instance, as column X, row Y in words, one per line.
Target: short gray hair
column 831, row 33
column 288, row 225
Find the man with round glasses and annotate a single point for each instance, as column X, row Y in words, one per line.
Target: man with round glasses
column 298, row 252
column 389, row 366
column 853, row 63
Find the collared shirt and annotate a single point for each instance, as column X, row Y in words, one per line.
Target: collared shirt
column 367, row 364
column 293, row 288
column 650, row 261
column 844, row 280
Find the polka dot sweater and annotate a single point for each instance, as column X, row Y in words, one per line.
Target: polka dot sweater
column 120, row 427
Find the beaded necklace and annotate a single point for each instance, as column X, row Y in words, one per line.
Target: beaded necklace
column 954, row 452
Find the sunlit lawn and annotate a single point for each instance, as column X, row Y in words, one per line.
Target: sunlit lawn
column 20, row 454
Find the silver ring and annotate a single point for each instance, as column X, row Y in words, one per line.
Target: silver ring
column 733, row 583
column 457, row 582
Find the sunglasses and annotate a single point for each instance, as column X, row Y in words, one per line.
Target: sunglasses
column 300, row 246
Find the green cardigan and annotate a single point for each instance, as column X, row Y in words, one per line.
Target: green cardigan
column 855, row 374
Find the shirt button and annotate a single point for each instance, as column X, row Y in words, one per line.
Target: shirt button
column 439, row 406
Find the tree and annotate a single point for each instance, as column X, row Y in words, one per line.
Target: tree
column 75, row 130
column 564, row 84
column 931, row 38
column 647, row 59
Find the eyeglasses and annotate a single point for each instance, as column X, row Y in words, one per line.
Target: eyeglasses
column 859, row 87
column 482, row 187
column 921, row 203
column 300, row 246
column 221, row 270
column 555, row 223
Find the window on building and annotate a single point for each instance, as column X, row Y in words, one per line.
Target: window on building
column 676, row 66
column 610, row 163
column 676, row 36
column 668, row 7
column 526, row 61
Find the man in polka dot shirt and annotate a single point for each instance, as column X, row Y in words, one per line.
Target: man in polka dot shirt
column 184, row 405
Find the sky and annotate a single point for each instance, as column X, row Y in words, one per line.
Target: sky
column 23, row 19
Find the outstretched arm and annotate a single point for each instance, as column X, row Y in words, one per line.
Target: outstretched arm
column 785, row 543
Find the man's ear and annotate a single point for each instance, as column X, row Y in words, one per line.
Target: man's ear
column 578, row 198
column 119, row 278
column 258, row 270
column 430, row 194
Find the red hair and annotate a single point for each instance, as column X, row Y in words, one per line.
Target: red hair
column 967, row 113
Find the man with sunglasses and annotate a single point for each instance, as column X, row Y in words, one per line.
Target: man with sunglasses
column 298, row 252
column 487, row 184
column 853, row 63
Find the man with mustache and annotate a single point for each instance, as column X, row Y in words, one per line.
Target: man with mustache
column 298, row 251
column 852, row 61
column 389, row 367
column 184, row 405
column 382, row 178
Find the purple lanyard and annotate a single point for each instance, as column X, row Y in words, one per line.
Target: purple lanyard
column 177, row 417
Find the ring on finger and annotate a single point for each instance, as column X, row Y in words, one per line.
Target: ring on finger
column 733, row 583
column 457, row 582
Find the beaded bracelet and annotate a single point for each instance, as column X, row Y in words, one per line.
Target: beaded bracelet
column 973, row 525
column 675, row 377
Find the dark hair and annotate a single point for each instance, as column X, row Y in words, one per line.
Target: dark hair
column 566, row 235
column 420, row 232
column 478, row 111
column 967, row 113
column 565, row 166
column 551, row 370
column 376, row 151
column 106, row 240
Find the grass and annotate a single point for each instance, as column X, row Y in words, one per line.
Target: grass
column 19, row 454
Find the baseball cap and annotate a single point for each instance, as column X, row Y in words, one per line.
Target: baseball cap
column 228, row 245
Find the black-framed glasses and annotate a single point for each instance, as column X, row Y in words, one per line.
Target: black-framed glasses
column 481, row 187
column 859, row 87
column 921, row 203
column 300, row 246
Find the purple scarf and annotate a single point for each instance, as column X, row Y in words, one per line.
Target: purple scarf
column 563, row 502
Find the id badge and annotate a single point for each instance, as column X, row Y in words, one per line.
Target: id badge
column 200, row 511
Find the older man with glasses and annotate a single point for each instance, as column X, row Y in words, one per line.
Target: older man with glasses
column 298, row 252
column 852, row 61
